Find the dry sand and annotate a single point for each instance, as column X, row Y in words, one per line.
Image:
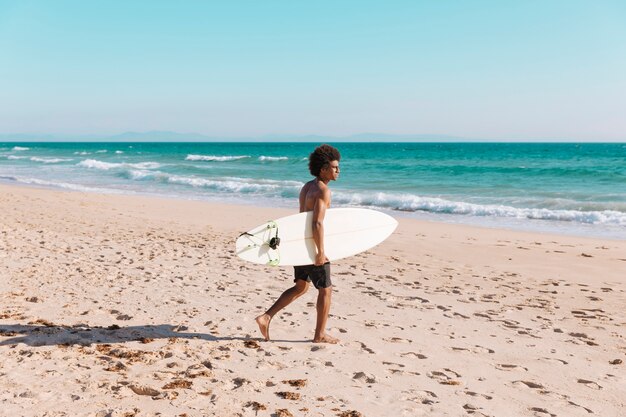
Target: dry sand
column 137, row 306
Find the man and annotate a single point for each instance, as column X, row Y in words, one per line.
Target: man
column 314, row 196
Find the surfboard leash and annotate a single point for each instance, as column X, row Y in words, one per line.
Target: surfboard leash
column 273, row 243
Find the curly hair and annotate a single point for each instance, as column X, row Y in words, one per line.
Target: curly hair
column 321, row 156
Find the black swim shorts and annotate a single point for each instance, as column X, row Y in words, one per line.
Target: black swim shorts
column 318, row 275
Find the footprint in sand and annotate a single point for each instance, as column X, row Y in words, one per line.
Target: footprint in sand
column 541, row 412
column 476, row 394
column 445, row 376
column 590, row 384
column 481, row 349
column 423, row 397
column 417, row 355
column 366, row 378
column 365, row 348
column 397, row 340
column 529, row 384
column 507, row 367
column 556, row 360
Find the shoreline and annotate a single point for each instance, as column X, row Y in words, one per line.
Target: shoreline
column 497, row 223
column 116, row 304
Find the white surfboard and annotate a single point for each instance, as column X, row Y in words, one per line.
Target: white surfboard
column 347, row 231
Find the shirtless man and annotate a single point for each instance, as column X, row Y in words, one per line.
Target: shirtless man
column 315, row 197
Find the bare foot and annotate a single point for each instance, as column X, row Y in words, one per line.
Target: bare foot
column 326, row 339
column 264, row 325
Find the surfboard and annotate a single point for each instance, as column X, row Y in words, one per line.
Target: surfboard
column 289, row 240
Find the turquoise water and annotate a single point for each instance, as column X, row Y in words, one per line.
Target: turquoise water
column 570, row 188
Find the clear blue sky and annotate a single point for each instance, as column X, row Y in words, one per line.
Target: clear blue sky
column 506, row 70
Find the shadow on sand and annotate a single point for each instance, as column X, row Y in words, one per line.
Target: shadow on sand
column 81, row 334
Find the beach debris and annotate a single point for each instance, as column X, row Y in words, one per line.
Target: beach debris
column 116, row 367
column 298, row 383
column 288, row 395
column 251, row 344
column 256, row 406
column 42, row 322
column 239, row 382
column 178, row 383
column 616, row 362
column 283, row 412
column 351, row 413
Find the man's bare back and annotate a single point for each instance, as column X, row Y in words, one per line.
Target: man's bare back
column 311, row 192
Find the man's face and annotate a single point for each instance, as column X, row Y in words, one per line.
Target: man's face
column 332, row 170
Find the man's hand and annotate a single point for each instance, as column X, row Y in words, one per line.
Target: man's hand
column 320, row 259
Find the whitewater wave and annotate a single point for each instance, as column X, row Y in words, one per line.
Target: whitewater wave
column 105, row 166
column 20, row 148
column 215, row 158
column 273, row 158
column 221, row 184
column 413, row 203
column 245, row 186
column 49, row 160
column 284, row 183
column 82, row 153
column 13, row 157
column 138, row 174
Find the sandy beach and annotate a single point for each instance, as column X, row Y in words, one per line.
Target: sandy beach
column 118, row 305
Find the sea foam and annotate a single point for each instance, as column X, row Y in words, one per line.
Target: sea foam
column 49, row 160
column 273, row 158
column 215, row 158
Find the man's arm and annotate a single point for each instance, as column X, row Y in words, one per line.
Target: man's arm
column 319, row 211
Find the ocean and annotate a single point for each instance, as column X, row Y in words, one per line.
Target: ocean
column 566, row 188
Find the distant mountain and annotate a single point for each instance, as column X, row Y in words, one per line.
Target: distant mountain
column 363, row 137
column 160, row 136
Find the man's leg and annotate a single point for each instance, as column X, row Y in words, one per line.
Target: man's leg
column 283, row 301
column 323, row 308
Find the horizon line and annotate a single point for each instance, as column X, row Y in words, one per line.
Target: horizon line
column 177, row 137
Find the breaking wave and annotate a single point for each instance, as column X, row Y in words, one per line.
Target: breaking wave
column 414, row 203
column 105, row 166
